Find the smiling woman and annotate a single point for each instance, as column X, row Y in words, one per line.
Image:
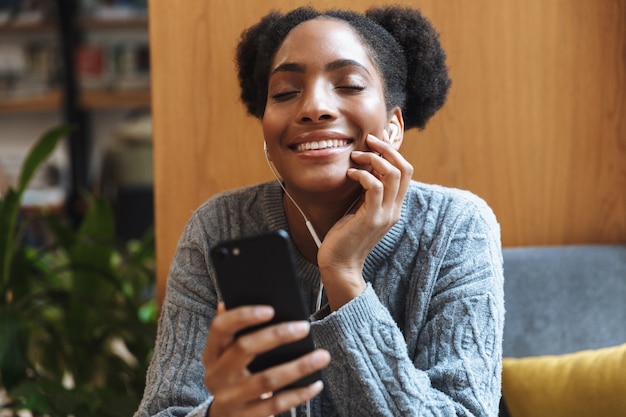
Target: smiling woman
column 331, row 95
column 403, row 280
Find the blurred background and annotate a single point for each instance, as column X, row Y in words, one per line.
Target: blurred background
column 535, row 124
column 85, row 63
column 77, row 276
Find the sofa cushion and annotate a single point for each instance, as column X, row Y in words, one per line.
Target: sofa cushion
column 586, row 383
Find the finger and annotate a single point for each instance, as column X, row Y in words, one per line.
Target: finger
column 265, row 384
column 280, row 376
column 380, row 167
column 390, row 176
column 227, row 324
column 392, row 155
column 388, row 152
column 382, row 171
column 239, row 355
column 284, row 401
column 373, row 187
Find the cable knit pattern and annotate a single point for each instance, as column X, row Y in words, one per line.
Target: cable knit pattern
column 424, row 338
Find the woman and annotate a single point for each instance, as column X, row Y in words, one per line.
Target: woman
column 412, row 305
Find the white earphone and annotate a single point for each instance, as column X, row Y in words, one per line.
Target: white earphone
column 393, row 131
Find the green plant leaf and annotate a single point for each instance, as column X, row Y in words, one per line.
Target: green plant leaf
column 62, row 304
column 39, row 152
column 148, row 312
column 8, row 214
column 13, row 363
column 9, row 208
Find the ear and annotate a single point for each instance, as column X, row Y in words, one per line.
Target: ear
column 396, row 128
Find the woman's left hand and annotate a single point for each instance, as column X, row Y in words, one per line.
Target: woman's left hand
column 385, row 178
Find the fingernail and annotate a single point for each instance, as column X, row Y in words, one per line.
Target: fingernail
column 321, row 357
column 264, row 312
column 299, row 327
column 317, row 386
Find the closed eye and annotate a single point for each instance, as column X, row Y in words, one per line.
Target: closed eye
column 284, row 95
column 353, row 88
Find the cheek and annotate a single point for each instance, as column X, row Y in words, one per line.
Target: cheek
column 372, row 118
column 372, row 104
column 273, row 129
column 270, row 127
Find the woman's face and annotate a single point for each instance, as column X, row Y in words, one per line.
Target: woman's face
column 324, row 97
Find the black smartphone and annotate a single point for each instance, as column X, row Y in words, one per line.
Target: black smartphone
column 260, row 270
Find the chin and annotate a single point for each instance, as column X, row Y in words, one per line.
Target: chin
column 322, row 179
column 335, row 185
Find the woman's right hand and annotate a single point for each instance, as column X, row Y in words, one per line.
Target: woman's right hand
column 236, row 391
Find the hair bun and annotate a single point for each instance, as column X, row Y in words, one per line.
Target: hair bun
column 427, row 73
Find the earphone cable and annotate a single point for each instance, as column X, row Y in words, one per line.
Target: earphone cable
column 318, row 243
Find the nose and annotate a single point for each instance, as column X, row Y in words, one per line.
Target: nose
column 317, row 104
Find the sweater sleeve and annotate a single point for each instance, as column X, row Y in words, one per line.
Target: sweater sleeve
column 454, row 366
column 175, row 379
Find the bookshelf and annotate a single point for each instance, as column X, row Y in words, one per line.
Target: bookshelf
column 77, row 59
column 50, row 94
column 42, row 102
column 114, row 99
column 90, row 100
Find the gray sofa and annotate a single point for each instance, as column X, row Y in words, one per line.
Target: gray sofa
column 563, row 299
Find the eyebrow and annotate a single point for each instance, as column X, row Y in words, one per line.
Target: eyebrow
column 332, row 66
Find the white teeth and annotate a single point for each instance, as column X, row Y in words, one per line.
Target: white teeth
column 322, row 144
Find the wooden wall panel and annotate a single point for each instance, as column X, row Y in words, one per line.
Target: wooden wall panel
column 535, row 122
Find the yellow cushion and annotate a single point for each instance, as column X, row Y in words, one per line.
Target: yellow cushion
column 587, row 383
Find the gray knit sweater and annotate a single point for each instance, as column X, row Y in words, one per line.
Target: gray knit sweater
column 424, row 338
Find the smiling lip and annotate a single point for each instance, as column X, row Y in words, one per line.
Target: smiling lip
column 320, row 141
column 322, row 144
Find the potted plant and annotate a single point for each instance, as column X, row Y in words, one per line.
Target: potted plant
column 77, row 316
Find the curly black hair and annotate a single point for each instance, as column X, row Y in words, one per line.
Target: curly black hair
column 402, row 43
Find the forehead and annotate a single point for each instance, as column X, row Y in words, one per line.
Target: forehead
column 322, row 40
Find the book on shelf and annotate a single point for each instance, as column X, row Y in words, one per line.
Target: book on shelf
column 114, row 66
column 29, row 68
column 31, row 64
